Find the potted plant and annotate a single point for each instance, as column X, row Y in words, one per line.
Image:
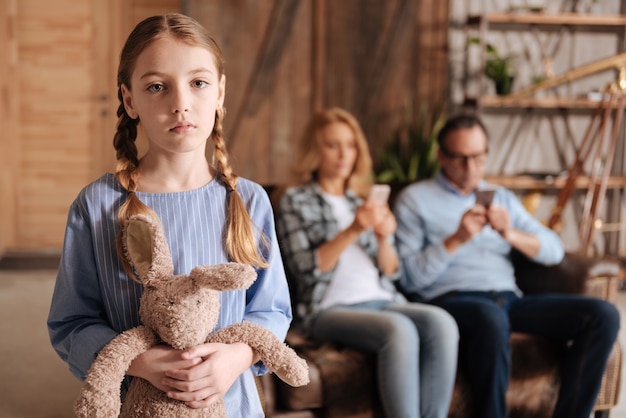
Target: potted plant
column 411, row 152
column 498, row 68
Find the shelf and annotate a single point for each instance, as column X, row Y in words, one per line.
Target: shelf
column 576, row 43
column 527, row 182
column 569, row 19
column 534, row 102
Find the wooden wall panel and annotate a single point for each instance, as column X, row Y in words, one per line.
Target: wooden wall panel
column 8, row 113
column 54, row 50
column 58, row 108
column 286, row 58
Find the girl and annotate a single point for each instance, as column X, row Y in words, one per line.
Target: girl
column 171, row 79
column 341, row 254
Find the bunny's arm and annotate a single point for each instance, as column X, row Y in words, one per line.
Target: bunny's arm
column 100, row 393
column 277, row 356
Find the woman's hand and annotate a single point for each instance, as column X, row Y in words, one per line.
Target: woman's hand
column 376, row 216
column 384, row 226
column 386, row 223
column 364, row 217
column 216, row 367
column 367, row 216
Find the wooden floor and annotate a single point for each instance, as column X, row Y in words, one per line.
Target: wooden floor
column 34, row 382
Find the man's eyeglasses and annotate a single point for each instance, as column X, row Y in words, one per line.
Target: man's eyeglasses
column 464, row 159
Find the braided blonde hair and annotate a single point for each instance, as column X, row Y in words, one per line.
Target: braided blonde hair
column 239, row 241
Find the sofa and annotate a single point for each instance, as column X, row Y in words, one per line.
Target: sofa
column 343, row 380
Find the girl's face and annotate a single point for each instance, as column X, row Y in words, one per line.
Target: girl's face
column 338, row 152
column 176, row 90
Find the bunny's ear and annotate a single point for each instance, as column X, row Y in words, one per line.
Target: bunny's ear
column 226, row 276
column 146, row 249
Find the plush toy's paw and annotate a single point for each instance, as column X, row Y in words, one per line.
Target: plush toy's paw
column 294, row 371
column 100, row 394
column 277, row 356
column 95, row 403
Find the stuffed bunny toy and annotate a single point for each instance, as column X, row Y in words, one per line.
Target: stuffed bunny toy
column 181, row 311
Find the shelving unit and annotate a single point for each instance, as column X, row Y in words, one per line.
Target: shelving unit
column 565, row 107
column 528, row 22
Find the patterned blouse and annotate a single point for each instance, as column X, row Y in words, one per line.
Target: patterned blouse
column 305, row 221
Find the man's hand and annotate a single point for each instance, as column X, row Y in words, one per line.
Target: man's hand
column 472, row 222
column 499, row 220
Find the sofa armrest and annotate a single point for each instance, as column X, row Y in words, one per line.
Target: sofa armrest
column 575, row 274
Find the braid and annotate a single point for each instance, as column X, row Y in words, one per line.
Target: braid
column 220, row 155
column 124, row 139
column 240, row 241
column 127, row 175
column 126, row 150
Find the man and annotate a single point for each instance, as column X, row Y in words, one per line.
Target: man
column 456, row 254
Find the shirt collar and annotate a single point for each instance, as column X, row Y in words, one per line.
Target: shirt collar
column 318, row 189
column 443, row 181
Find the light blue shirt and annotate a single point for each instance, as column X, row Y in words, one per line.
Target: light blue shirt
column 429, row 211
column 94, row 300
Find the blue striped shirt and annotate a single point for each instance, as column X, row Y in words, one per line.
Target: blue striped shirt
column 94, row 300
column 429, row 211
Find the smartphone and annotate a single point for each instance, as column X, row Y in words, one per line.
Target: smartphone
column 379, row 193
column 484, row 197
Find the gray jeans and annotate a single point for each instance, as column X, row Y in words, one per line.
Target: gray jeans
column 416, row 348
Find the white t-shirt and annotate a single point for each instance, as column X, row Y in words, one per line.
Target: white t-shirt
column 356, row 278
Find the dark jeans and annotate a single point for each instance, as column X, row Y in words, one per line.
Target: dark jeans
column 486, row 320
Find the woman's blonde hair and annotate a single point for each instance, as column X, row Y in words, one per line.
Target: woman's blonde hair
column 309, row 150
column 239, row 242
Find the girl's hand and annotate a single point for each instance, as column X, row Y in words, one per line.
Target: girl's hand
column 216, row 367
column 154, row 363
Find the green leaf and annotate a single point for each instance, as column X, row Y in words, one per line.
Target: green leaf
column 411, row 152
column 413, row 169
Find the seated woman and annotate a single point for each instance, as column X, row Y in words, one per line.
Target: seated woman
column 338, row 247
